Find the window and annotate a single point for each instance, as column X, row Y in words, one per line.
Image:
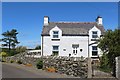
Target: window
column 94, row 34
column 55, row 50
column 55, row 34
column 94, row 51
column 75, row 47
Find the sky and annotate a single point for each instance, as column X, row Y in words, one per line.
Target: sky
column 27, row 17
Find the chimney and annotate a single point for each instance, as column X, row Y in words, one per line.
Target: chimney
column 46, row 20
column 99, row 20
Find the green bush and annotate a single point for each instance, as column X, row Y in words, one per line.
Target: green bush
column 3, row 60
column 39, row 64
column 104, row 63
column 3, row 54
column 19, row 62
column 11, row 61
column 12, row 53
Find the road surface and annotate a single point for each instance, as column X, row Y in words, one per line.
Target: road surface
column 21, row 71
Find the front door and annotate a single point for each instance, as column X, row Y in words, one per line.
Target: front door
column 75, row 49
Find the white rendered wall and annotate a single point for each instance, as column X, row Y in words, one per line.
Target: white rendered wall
column 66, row 43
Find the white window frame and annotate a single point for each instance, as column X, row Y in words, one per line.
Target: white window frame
column 55, row 50
column 94, row 33
column 96, row 50
column 55, row 34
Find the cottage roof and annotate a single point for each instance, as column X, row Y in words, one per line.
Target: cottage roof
column 72, row 28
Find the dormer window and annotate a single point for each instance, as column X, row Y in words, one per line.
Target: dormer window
column 55, row 34
column 94, row 34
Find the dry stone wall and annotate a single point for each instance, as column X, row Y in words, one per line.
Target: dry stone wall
column 63, row 65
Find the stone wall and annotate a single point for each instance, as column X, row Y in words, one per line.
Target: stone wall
column 21, row 57
column 118, row 67
column 63, row 65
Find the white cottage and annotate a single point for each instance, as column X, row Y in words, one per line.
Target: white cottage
column 73, row 39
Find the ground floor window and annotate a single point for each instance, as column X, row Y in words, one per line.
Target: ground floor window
column 55, row 50
column 94, row 51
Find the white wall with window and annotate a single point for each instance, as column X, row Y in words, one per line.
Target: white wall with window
column 74, row 46
column 66, row 45
column 94, row 35
column 55, row 33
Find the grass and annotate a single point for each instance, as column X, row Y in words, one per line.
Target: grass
column 108, row 70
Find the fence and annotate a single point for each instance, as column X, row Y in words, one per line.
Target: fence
column 118, row 67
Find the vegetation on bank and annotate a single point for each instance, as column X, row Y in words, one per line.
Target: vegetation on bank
column 110, row 45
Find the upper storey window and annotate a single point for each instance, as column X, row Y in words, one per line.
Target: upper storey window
column 55, row 34
column 94, row 34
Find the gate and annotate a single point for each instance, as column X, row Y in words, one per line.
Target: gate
column 117, row 70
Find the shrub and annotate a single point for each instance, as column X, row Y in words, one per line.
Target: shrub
column 11, row 61
column 29, row 65
column 3, row 54
column 51, row 69
column 104, row 63
column 12, row 52
column 39, row 64
column 3, row 60
column 21, row 49
column 19, row 62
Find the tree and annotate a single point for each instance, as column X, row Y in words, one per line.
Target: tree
column 110, row 45
column 21, row 49
column 10, row 39
column 38, row 47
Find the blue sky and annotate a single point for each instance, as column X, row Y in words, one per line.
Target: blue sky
column 27, row 17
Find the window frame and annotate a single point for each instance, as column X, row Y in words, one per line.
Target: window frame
column 94, row 34
column 54, row 51
column 94, row 51
column 55, row 34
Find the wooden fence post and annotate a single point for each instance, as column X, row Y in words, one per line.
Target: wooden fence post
column 89, row 68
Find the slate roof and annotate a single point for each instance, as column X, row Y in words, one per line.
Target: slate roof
column 72, row 28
